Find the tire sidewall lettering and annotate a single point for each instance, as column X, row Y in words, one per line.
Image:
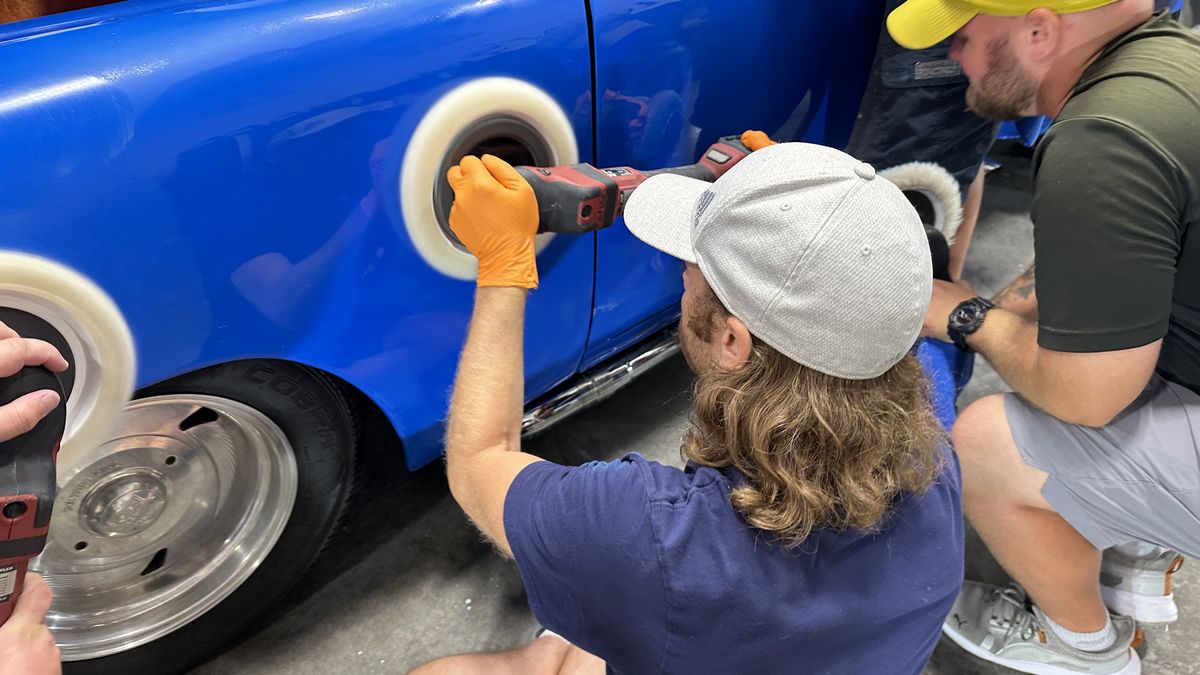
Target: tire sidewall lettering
column 323, row 426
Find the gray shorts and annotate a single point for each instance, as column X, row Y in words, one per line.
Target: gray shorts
column 1137, row 479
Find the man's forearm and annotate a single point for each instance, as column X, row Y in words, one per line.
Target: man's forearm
column 1020, row 296
column 495, row 217
column 966, row 230
column 489, row 392
column 1009, row 343
column 1081, row 388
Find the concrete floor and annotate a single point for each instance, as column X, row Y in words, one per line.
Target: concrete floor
column 411, row 580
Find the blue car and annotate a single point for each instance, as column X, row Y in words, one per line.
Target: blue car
column 235, row 210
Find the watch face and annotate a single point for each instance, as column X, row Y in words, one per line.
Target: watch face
column 964, row 316
column 965, row 320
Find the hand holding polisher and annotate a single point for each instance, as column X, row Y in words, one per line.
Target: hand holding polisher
column 27, row 483
column 580, row 198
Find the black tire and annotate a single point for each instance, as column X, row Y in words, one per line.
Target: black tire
column 319, row 421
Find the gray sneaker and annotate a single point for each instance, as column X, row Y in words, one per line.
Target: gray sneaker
column 1140, row 585
column 997, row 625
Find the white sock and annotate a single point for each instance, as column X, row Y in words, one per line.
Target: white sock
column 1087, row 642
column 1140, row 550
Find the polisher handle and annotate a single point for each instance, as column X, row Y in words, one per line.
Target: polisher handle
column 27, row 483
column 581, row 198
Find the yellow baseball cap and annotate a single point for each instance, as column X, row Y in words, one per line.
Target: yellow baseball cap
column 918, row 24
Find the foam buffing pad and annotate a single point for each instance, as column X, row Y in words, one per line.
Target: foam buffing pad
column 457, row 111
column 934, row 186
column 98, row 342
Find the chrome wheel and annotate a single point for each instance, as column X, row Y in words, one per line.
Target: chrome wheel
column 162, row 523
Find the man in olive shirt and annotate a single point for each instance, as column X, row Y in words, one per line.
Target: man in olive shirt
column 1097, row 448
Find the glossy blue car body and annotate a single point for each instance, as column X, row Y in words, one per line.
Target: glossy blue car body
column 187, row 155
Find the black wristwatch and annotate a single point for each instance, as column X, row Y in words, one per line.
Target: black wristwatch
column 966, row 319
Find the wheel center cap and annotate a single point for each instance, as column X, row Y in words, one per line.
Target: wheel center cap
column 125, row 506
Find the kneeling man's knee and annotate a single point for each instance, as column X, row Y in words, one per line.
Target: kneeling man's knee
column 981, row 427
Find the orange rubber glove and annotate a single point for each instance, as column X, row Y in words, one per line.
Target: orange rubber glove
column 756, row 140
column 495, row 216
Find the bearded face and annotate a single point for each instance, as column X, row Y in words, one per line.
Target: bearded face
column 1006, row 91
column 700, row 313
column 695, row 331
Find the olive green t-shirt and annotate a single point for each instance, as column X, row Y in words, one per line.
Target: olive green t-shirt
column 1116, row 206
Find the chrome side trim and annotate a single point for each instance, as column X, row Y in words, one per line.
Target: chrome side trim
column 601, row 382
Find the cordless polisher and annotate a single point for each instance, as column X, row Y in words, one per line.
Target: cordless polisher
column 579, row 198
column 27, row 483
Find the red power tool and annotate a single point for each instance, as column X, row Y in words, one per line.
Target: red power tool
column 581, row 198
column 27, row 483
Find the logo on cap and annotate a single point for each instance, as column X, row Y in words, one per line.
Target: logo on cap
column 702, row 206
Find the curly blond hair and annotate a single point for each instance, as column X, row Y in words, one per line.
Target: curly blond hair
column 816, row 451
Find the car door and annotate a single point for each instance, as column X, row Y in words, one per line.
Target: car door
column 672, row 77
column 194, row 158
column 257, row 181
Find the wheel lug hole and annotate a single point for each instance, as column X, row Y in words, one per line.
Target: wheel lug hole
column 79, row 546
column 171, row 460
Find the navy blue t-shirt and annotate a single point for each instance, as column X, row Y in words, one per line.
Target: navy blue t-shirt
column 650, row 568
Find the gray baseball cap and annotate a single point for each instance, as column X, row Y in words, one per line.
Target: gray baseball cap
column 820, row 258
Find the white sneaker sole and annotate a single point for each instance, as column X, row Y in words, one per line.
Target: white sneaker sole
column 1143, row 608
column 1134, row 667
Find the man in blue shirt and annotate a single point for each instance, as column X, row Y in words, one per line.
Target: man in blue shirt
column 817, row 527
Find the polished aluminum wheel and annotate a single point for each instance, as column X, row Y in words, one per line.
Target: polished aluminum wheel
column 160, row 524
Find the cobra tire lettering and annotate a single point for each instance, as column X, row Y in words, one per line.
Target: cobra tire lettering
column 299, row 397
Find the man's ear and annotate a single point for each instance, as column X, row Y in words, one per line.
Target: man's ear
column 1042, row 32
column 736, row 344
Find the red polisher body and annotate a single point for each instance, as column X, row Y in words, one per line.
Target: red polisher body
column 581, row 198
column 27, row 484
